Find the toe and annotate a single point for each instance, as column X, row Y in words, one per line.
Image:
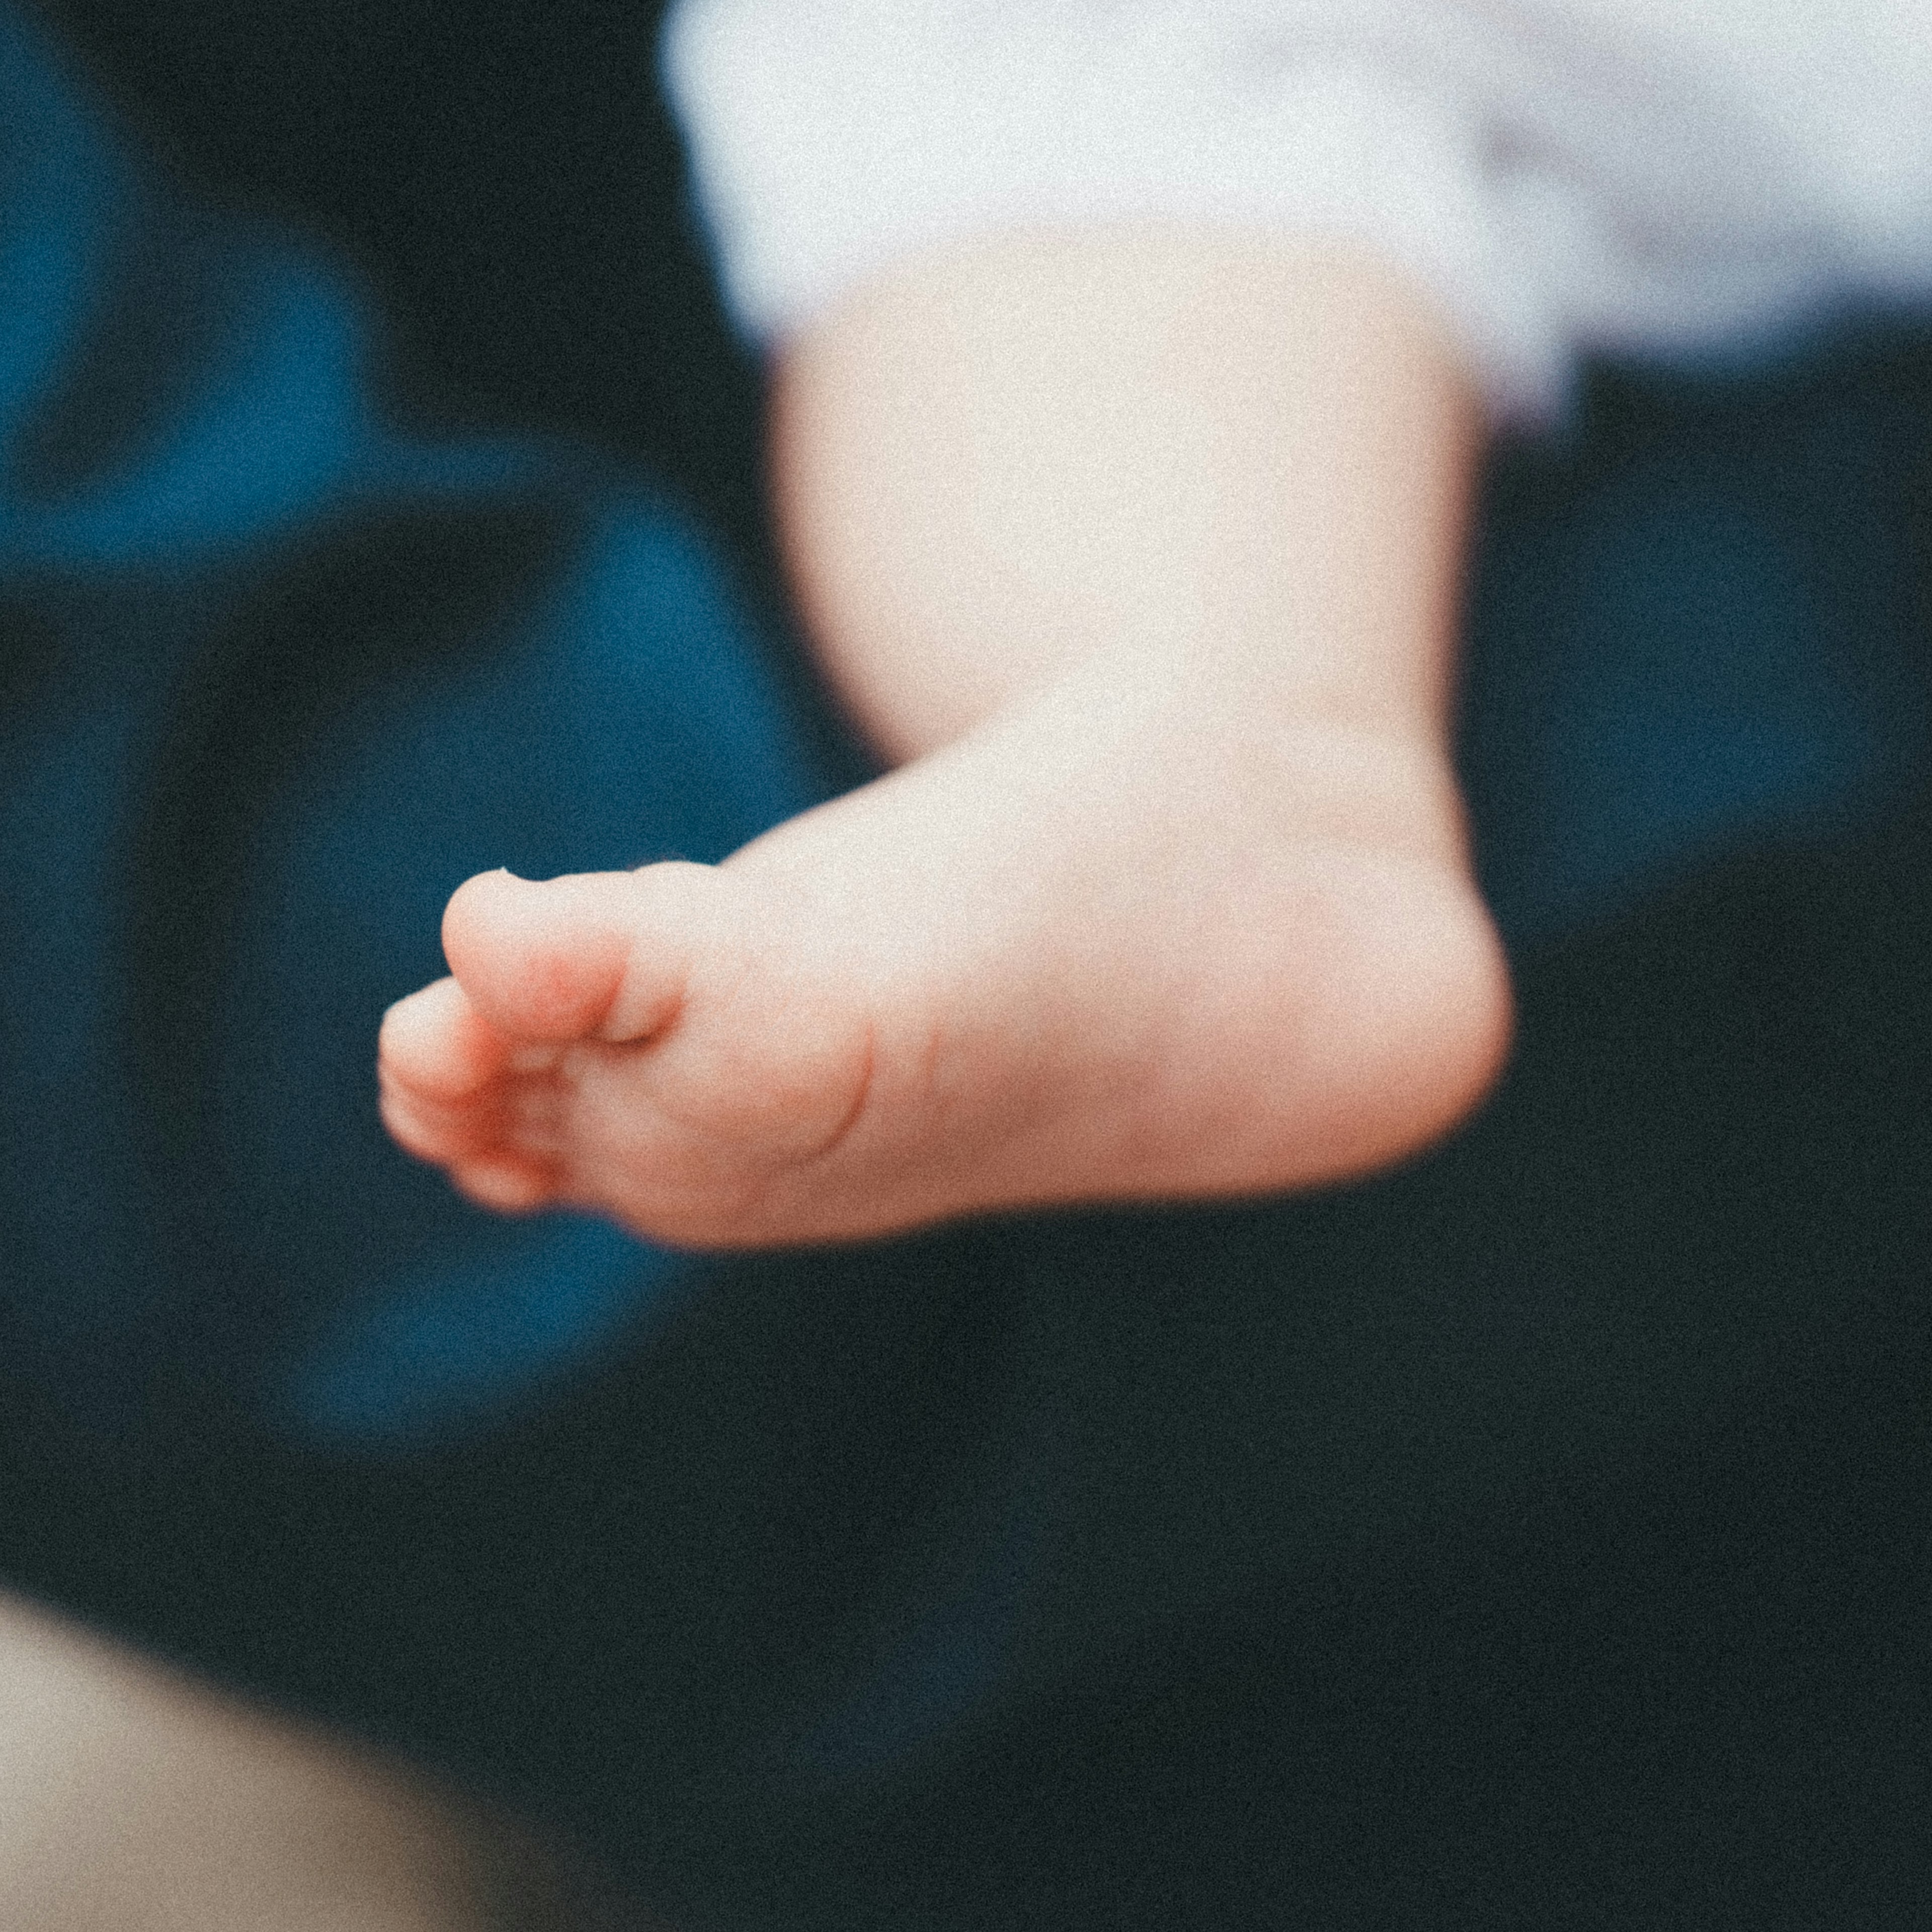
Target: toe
column 435, row 1046
column 416, row 1129
column 505, row 1183
column 597, row 954
column 444, row 1132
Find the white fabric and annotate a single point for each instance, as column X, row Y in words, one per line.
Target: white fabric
column 1681, row 178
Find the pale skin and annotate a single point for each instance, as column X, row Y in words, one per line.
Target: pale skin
column 1136, row 553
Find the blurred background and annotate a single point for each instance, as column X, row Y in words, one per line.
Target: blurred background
column 503, row 175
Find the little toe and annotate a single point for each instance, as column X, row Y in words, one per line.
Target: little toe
column 505, row 1183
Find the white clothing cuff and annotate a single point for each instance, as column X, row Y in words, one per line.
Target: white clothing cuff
column 832, row 140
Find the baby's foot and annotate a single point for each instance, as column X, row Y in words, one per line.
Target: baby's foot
column 1106, row 949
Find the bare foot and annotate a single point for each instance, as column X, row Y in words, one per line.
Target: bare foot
column 1113, row 947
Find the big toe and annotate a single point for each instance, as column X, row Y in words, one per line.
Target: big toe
column 593, row 955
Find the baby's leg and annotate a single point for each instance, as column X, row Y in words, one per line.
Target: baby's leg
column 1144, row 549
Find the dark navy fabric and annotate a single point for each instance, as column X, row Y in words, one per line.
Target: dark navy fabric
column 1541, row 1536
column 1698, row 622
